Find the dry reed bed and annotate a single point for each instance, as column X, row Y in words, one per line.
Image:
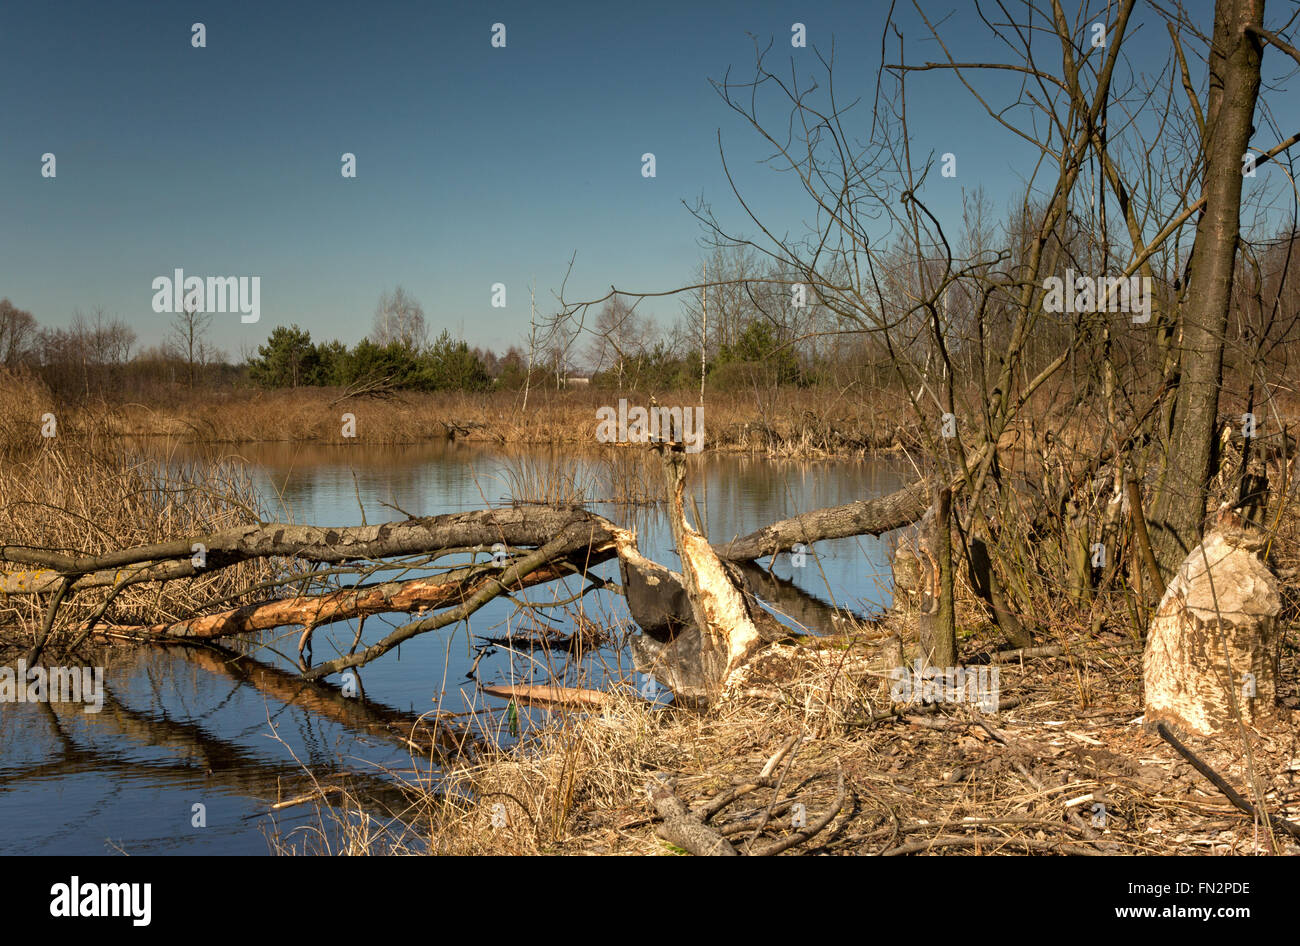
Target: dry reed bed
column 82, row 492
column 790, row 422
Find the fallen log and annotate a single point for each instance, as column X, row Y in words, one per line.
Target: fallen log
column 728, row 621
column 683, row 829
column 864, row 517
column 548, row 695
column 511, row 579
column 524, row 525
column 514, row 526
column 413, row 594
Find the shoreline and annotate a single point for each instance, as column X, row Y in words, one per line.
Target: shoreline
column 794, row 423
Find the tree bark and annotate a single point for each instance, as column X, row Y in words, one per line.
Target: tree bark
column 865, row 517
column 1235, row 56
column 526, row 525
column 936, row 620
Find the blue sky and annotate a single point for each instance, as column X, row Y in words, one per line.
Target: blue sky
column 475, row 165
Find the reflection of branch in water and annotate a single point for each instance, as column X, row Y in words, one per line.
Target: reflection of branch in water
column 587, row 637
column 795, row 603
column 205, row 760
column 425, row 735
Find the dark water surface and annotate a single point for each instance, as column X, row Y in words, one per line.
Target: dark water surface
column 183, row 727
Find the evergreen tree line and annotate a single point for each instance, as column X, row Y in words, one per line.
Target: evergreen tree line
column 290, row 359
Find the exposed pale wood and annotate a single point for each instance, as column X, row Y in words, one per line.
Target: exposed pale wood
column 314, row 610
column 1215, row 624
column 548, row 695
column 719, row 605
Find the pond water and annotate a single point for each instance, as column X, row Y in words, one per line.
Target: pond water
column 194, row 745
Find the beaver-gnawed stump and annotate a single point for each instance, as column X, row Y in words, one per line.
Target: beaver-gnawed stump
column 1213, row 643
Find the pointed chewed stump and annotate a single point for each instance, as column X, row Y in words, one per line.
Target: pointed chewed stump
column 1213, row 642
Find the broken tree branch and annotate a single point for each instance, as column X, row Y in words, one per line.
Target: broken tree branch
column 682, row 828
column 572, row 537
column 1222, row 784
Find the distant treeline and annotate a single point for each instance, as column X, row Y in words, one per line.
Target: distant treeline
column 290, row 359
column 96, row 356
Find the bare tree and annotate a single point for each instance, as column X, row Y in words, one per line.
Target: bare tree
column 399, row 318
column 17, row 333
column 1235, row 57
column 968, row 331
column 617, row 337
column 186, row 339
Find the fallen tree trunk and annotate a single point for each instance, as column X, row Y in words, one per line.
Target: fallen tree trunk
column 413, row 594
column 683, row 829
column 511, row 579
column 865, row 517
column 545, row 542
column 513, row 526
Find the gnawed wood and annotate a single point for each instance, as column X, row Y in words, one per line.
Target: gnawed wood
column 677, row 654
column 413, row 594
column 656, row 597
column 548, row 695
column 1212, row 644
column 719, row 606
column 690, row 665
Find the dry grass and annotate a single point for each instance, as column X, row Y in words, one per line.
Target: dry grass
column 24, row 400
column 943, row 779
column 1064, row 767
column 82, row 492
column 786, row 422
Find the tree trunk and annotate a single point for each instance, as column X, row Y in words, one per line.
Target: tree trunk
column 1235, row 56
column 936, row 622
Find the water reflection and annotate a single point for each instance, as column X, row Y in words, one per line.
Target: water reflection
column 184, row 726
